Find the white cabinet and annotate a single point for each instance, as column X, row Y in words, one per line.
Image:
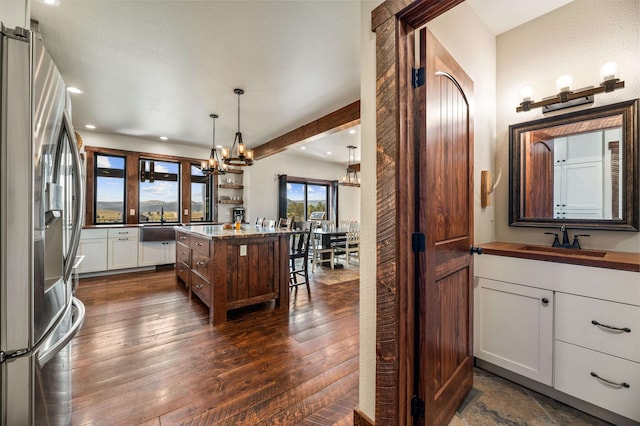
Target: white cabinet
column 123, row 248
column 585, row 343
column 513, row 328
column 156, row 253
column 93, row 246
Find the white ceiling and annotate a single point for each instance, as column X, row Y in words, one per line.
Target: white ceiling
column 151, row 69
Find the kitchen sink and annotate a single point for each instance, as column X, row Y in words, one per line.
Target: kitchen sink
column 559, row 250
column 157, row 233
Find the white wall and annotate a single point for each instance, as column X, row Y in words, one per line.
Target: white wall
column 261, row 184
column 129, row 143
column 15, row 13
column 575, row 39
column 367, row 384
column 479, row 63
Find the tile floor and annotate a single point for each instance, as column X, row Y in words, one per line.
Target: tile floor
column 501, row 402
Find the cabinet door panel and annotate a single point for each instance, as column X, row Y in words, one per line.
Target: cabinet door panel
column 123, row 253
column 95, row 255
column 514, row 328
column 151, row 253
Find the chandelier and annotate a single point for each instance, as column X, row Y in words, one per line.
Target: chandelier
column 241, row 156
column 214, row 166
column 351, row 178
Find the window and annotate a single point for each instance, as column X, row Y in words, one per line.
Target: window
column 304, row 198
column 109, row 189
column 159, row 199
column 200, row 196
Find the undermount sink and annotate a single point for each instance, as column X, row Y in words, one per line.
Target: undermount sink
column 559, row 250
column 157, row 233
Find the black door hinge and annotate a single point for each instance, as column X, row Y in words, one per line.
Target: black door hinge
column 418, row 77
column 417, row 407
column 417, row 242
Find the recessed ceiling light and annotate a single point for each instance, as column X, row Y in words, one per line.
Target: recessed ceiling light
column 303, row 148
column 50, row 2
column 352, row 131
column 329, row 153
column 164, row 138
column 75, row 90
column 90, row 126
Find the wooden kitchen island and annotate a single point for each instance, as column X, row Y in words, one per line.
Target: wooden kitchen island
column 228, row 269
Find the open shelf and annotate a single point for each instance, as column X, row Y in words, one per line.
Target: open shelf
column 237, row 202
column 230, row 186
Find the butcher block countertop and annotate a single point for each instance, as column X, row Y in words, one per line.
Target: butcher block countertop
column 600, row 259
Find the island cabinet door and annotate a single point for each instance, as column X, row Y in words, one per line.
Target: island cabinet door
column 252, row 273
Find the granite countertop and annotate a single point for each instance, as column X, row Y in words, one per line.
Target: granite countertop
column 246, row 231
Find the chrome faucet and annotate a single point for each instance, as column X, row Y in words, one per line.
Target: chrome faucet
column 565, row 239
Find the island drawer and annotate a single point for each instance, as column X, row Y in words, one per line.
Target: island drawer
column 183, row 272
column 200, row 245
column 183, row 238
column 201, row 288
column 182, row 254
column 200, row 264
column 608, row 327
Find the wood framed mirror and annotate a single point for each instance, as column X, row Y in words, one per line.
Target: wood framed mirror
column 579, row 169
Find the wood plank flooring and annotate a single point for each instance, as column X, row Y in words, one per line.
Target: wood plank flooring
column 147, row 355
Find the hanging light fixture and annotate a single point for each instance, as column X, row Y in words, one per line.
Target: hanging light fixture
column 351, row 178
column 214, row 166
column 241, row 156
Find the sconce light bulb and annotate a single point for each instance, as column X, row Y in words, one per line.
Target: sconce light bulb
column 608, row 71
column 526, row 94
column 563, row 84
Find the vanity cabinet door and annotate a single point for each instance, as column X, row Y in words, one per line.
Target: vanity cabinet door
column 513, row 328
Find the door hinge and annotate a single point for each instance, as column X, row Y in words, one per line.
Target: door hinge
column 417, row 407
column 417, row 242
column 418, row 77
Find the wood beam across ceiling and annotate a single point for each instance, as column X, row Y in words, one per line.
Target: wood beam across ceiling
column 336, row 121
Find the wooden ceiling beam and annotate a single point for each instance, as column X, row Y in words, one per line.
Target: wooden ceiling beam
column 336, row 121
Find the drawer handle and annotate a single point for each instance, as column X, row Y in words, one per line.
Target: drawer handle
column 123, row 233
column 620, row 385
column 544, row 301
column 199, row 244
column 610, row 327
column 202, row 262
column 199, row 286
column 183, row 238
column 123, row 239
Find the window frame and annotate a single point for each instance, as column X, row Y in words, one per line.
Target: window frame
column 208, row 203
column 331, row 212
column 97, row 175
column 156, row 177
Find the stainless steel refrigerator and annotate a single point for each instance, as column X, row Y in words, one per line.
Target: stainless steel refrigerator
column 41, row 203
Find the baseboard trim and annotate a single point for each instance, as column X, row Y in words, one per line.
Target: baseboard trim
column 361, row 419
column 572, row 401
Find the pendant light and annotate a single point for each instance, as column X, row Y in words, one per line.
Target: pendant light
column 214, row 166
column 351, row 178
column 241, row 156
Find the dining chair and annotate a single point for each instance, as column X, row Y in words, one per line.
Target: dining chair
column 299, row 251
column 319, row 254
column 259, row 221
column 285, row 223
column 349, row 246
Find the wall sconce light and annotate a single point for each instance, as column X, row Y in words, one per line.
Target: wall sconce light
column 567, row 98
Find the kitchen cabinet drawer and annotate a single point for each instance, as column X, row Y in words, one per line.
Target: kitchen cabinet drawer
column 574, row 324
column 123, row 232
column 202, row 288
column 90, row 234
column 182, row 254
column 182, row 237
column 200, row 264
column 200, row 245
column 573, row 375
column 183, row 272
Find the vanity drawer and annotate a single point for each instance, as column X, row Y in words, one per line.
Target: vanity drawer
column 200, row 264
column 183, row 238
column 574, row 316
column 200, row 245
column 573, row 375
column 201, row 288
column 183, row 272
column 182, row 254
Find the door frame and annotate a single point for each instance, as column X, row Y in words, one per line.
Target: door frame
column 394, row 23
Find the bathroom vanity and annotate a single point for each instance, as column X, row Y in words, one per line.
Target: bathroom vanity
column 565, row 323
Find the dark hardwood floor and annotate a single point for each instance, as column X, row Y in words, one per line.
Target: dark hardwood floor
column 147, row 355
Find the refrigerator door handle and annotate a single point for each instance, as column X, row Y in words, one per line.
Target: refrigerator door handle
column 46, row 356
column 79, row 200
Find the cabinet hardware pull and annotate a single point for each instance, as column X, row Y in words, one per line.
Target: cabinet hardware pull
column 199, row 244
column 199, row 286
column 183, row 238
column 545, row 301
column 123, row 233
column 202, row 262
column 123, row 239
column 475, row 249
column 610, row 327
column 620, row 385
